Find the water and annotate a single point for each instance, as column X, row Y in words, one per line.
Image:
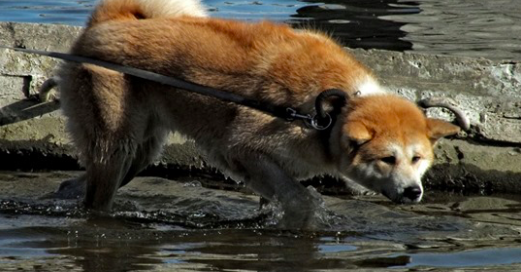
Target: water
column 162, row 225
column 94, row 247
column 450, row 27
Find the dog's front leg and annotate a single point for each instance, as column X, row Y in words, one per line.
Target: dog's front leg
column 266, row 178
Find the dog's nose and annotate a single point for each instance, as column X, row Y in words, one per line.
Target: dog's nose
column 412, row 193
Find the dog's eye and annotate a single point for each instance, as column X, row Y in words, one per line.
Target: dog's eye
column 389, row 160
column 415, row 159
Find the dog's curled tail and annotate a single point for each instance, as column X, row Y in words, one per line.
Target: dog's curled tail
column 111, row 10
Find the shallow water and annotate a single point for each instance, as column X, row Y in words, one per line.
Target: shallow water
column 164, row 225
column 120, row 246
column 452, row 27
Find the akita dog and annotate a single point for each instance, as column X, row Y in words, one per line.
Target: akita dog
column 118, row 122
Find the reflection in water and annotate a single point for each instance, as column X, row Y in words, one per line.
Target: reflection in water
column 358, row 23
column 92, row 246
column 453, row 27
column 256, row 250
column 116, row 245
column 113, row 245
column 468, row 28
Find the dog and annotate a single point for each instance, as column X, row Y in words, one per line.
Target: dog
column 118, row 123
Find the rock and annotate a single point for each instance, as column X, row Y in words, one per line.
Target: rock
column 484, row 160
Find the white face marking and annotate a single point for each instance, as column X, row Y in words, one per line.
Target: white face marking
column 423, row 163
column 370, row 87
column 396, row 150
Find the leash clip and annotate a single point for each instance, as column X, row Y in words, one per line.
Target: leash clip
column 293, row 115
column 315, row 122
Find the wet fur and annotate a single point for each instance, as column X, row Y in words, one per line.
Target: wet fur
column 119, row 123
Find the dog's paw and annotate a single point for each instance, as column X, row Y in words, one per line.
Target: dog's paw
column 305, row 212
column 69, row 189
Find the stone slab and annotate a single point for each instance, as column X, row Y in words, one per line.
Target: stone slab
column 488, row 91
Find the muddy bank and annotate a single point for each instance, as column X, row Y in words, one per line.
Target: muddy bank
column 484, row 160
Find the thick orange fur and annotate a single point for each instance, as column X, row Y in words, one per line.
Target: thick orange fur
column 382, row 120
column 116, row 11
column 119, row 122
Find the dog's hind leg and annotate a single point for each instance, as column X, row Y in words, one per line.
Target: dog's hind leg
column 124, row 159
column 105, row 174
column 146, row 153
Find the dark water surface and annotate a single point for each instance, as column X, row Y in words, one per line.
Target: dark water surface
column 124, row 246
column 162, row 225
column 452, row 27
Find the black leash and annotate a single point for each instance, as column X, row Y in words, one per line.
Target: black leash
column 319, row 121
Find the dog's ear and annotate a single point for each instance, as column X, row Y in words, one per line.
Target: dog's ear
column 356, row 134
column 438, row 129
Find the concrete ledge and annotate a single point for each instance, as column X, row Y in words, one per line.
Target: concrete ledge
column 488, row 91
column 486, row 160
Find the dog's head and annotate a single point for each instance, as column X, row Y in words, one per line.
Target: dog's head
column 385, row 143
